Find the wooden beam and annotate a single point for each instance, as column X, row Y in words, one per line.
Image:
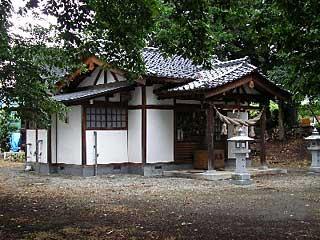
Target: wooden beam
column 37, row 145
column 56, row 118
column 271, row 88
column 282, row 136
column 263, row 160
column 97, row 77
column 144, row 125
column 114, row 76
column 83, row 136
column 49, row 142
column 174, row 130
column 228, row 87
column 210, row 137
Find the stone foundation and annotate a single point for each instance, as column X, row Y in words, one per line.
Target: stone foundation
column 155, row 169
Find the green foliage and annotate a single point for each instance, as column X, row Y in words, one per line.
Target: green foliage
column 281, row 37
column 311, row 109
column 273, row 106
column 15, row 157
column 28, row 71
column 6, row 129
column 117, row 31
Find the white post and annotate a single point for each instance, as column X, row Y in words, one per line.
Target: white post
column 95, row 146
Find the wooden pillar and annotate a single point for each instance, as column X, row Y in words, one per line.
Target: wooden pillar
column 282, row 135
column 144, row 125
column 37, row 145
column 210, row 137
column 49, row 147
column 83, row 136
column 263, row 160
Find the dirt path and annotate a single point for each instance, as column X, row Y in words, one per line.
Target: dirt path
column 134, row 207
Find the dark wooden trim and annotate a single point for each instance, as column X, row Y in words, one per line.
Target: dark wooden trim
column 104, row 104
column 106, row 129
column 174, row 130
column 144, row 125
column 83, row 136
column 114, row 76
column 228, row 87
column 271, row 88
column 165, row 107
column 210, row 136
column 282, row 133
column 263, row 160
column 105, row 76
column 135, row 107
column 56, row 138
column 49, row 142
column 192, row 107
column 26, row 143
column 37, row 145
column 239, row 107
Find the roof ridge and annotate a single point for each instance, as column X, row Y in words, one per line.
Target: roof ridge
column 245, row 59
column 224, row 73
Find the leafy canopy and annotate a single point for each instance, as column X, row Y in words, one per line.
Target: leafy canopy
column 281, row 37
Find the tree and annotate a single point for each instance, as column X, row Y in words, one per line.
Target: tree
column 281, row 37
column 27, row 76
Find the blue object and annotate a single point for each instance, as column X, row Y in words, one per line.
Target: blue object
column 15, row 142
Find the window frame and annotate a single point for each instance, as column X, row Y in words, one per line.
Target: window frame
column 107, row 105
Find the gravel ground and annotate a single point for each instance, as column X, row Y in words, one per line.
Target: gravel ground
column 36, row 206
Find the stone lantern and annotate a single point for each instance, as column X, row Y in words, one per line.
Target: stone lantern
column 314, row 148
column 241, row 176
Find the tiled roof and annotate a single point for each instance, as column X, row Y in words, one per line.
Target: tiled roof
column 158, row 65
column 221, row 73
column 91, row 92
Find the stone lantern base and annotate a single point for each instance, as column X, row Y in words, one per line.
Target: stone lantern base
column 241, row 179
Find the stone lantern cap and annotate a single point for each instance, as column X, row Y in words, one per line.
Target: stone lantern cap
column 241, row 136
column 315, row 136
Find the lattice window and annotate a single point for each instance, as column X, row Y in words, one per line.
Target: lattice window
column 109, row 117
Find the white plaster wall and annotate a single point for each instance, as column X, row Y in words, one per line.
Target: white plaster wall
column 110, row 78
column 43, row 147
column 31, row 145
column 69, row 138
column 152, row 99
column 101, row 78
column 136, row 97
column 134, row 136
column 112, row 146
column 231, row 145
column 53, row 138
column 120, row 77
column 160, row 133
